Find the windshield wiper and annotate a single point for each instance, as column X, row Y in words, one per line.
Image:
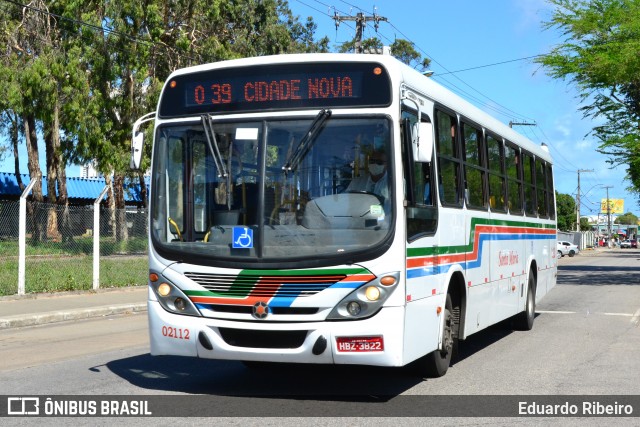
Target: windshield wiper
column 212, row 144
column 307, row 141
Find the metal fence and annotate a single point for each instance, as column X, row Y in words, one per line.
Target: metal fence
column 70, row 248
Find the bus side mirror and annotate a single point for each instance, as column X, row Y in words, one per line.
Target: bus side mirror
column 137, row 142
column 422, row 142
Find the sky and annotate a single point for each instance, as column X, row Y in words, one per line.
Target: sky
column 494, row 35
column 462, row 34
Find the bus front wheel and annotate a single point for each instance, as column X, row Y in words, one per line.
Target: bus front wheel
column 524, row 321
column 436, row 363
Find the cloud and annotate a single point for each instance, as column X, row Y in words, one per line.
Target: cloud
column 532, row 13
column 585, row 145
column 563, row 125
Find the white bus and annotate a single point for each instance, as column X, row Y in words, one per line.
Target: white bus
column 338, row 209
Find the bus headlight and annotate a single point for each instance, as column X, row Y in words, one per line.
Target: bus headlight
column 171, row 298
column 164, row 289
column 372, row 293
column 367, row 299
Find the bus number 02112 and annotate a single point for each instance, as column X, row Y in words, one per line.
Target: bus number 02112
column 177, row 333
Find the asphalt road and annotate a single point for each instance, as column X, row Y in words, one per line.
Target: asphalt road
column 585, row 341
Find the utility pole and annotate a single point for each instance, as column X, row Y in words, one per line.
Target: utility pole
column 360, row 20
column 608, row 213
column 578, row 198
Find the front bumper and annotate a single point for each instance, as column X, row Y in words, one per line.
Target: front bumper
column 208, row 338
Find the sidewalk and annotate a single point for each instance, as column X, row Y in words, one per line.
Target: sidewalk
column 39, row 309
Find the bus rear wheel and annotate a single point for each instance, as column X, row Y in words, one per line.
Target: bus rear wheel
column 436, row 363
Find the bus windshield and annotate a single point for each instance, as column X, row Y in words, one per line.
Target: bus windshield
column 272, row 190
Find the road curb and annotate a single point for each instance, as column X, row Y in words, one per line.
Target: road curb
column 79, row 292
column 66, row 315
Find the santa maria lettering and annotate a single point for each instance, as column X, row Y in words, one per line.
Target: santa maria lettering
column 508, row 258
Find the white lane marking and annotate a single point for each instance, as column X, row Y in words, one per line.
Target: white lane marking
column 555, row 312
column 635, row 318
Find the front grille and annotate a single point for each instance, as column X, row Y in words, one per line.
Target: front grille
column 243, row 309
column 263, row 339
column 264, row 286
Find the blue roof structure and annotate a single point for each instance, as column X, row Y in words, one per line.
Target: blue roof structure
column 77, row 188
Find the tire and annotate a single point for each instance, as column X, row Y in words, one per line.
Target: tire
column 524, row 321
column 572, row 253
column 436, row 363
column 559, row 254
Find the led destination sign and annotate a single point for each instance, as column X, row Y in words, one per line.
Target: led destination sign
column 282, row 88
column 290, row 86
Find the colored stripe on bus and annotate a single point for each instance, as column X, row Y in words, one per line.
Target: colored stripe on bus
column 431, row 261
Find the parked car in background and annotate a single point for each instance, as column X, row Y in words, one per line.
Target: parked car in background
column 625, row 244
column 634, row 243
column 567, row 248
column 562, row 250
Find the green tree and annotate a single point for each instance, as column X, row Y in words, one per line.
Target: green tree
column 584, row 224
column 601, row 57
column 566, row 208
column 627, row 219
column 30, row 36
column 401, row 49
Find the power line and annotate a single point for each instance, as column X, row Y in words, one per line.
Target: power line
column 492, row 65
column 458, row 78
column 352, row 5
column 502, row 110
column 578, row 204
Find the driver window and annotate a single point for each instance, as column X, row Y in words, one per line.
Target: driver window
column 421, row 212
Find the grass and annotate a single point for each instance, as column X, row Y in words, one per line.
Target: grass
column 50, row 273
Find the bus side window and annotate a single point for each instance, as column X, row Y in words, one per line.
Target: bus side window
column 474, row 171
column 550, row 192
column 495, row 157
column 448, row 159
column 514, row 179
column 529, row 181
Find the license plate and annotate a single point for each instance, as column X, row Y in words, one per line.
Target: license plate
column 359, row 344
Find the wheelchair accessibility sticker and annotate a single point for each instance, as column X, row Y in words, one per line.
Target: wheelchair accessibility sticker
column 242, row 238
